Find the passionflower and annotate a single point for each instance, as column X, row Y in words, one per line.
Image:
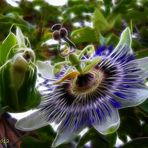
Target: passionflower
column 91, row 96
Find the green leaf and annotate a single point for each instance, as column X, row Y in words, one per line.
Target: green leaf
column 6, row 46
column 20, row 37
column 108, row 5
column 31, row 142
column 46, row 133
column 130, row 124
column 145, row 128
column 44, row 138
column 142, row 53
column 85, row 34
column 144, row 32
column 97, row 139
column 103, row 40
column 144, row 106
column 112, row 39
column 2, row 109
column 137, row 143
column 99, row 22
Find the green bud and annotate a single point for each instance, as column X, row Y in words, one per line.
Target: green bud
column 74, row 59
column 18, row 79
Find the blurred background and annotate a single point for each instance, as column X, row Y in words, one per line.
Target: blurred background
column 97, row 22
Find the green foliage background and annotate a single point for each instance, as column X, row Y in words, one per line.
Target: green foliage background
column 100, row 23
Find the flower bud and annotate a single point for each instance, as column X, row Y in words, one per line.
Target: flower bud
column 63, row 32
column 56, row 27
column 18, row 79
column 56, row 35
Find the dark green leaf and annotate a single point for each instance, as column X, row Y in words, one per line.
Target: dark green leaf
column 44, row 138
column 144, row 106
column 97, row 139
column 142, row 53
column 137, row 143
column 31, row 142
column 130, row 124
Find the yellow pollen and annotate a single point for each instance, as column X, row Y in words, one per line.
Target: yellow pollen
column 70, row 75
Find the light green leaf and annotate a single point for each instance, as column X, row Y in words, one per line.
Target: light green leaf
column 6, row 46
column 99, row 21
column 85, row 34
column 20, row 37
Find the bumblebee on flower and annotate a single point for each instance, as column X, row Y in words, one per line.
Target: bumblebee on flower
column 90, row 90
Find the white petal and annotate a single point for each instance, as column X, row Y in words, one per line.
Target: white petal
column 125, row 39
column 32, row 122
column 143, row 63
column 110, row 124
column 67, row 132
column 64, row 136
column 46, row 69
column 140, row 97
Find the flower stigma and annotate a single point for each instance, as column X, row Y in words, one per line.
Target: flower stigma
column 85, row 84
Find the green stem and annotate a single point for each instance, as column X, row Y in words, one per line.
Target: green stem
column 62, row 63
column 85, row 50
column 75, row 61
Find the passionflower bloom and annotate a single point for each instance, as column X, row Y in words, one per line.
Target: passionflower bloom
column 112, row 80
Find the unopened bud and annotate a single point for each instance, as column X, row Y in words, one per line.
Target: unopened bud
column 63, row 32
column 56, row 35
column 56, row 27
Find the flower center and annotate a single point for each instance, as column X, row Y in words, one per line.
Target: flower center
column 86, row 83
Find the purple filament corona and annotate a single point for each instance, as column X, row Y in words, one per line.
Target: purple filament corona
column 121, row 76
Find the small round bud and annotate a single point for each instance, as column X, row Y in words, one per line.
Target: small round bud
column 63, row 32
column 27, row 53
column 56, row 27
column 27, row 56
column 56, row 35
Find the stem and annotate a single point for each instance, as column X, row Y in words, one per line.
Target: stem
column 85, row 50
column 69, row 42
column 79, row 68
column 73, row 58
column 62, row 63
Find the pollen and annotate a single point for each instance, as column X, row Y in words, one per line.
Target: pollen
column 70, row 75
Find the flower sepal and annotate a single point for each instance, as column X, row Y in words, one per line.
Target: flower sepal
column 125, row 39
